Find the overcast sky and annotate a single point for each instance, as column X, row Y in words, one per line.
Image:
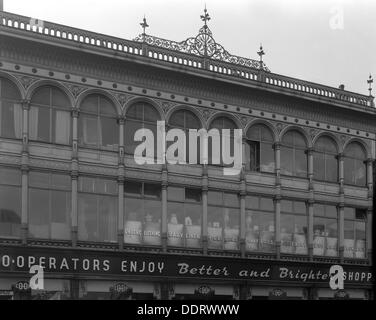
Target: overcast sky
column 325, row 41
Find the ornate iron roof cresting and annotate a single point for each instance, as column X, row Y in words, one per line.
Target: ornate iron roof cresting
column 202, row 45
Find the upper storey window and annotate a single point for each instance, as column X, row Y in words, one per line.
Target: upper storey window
column 141, row 115
column 50, row 119
column 215, row 151
column 185, row 120
column 293, row 154
column 325, row 163
column 10, row 110
column 98, row 123
column 259, row 149
column 354, row 164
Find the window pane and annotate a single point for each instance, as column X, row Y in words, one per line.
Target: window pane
column 286, row 206
column 300, row 207
column 176, row 194
column 133, row 188
column 61, row 124
column 60, row 99
column 60, row 215
column 110, row 132
column 231, row 229
column 39, row 210
column 175, row 225
column 44, row 125
column 287, row 161
column 107, row 222
column 319, row 166
column 106, row 107
column 39, row 179
column 252, row 202
column 193, row 195
column 266, row 204
column 88, row 217
column 134, row 218
column 267, row 158
column 193, row 214
column 10, row 176
column 59, row 181
column 10, row 211
column 215, row 198
column 88, row 130
column 300, row 163
column 215, row 227
column 8, row 90
column 152, row 230
column 231, row 200
column 331, row 168
column 152, row 190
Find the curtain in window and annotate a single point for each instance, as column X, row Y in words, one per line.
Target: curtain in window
column 90, row 131
column 33, row 123
column 62, row 128
column 17, row 120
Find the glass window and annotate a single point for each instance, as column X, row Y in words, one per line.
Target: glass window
column 293, row 154
column 98, row 126
column 49, row 117
column 185, row 120
column 49, row 206
column 325, row 230
column 294, row 227
column 10, row 203
column 97, row 209
column 141, row 115
column 325, row 164
column 259, row 149
column 355, row 233
column 10, row 110
column 260, row 231
column 223, row 220
column 143, row 213
column 184, row 217
column 215, row 149
column 354, row 164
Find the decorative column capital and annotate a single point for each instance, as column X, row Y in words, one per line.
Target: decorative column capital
column 277, row 145
column 341, row 205
column 121, row 120
column 25, row 104
column 370, row 161
column 75, row 112
column 310, row 151
column 340, row 156
column 311, row 202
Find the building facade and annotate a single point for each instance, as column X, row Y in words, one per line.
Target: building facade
column 73, row 200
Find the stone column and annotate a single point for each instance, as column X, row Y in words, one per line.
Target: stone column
column 370, row 177
column 310, row 203
column 277, row 205
column 74, row 213
column 75, row 115
column 121, row 122
column 369, row 235
column 242, row 194
column 204, row 227
column 121, row 208
column 164, row 208
column 277, row 156
column 25, row 202
column 341, row 230
column 310, row 167
column 25, row 172
column 341, row 172
column 25, row 125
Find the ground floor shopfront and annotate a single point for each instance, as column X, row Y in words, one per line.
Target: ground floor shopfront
column 106, row 275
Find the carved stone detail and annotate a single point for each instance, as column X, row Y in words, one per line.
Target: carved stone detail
column 26, row 81
column 75, row 89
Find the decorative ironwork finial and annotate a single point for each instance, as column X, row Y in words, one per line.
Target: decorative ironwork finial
column 370, row 81
column 261, row 53
column 144, row 25
column 205, row 17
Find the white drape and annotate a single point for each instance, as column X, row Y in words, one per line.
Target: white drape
column 33, row 123
column 62, row 128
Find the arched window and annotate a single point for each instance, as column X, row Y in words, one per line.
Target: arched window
column 325, row 163
column 10, row 110
column 50, row 119
column 141, row 115
column 259, row 149
column 354, row 164
column 98, row 123
column 185, row 120
column 215, row 151
column 293, row 154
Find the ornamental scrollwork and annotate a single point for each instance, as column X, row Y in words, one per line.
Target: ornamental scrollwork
column 26, row 81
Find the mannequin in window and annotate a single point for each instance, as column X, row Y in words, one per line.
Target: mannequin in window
column 174, row 219
column 188, row 221
column 248, row 221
